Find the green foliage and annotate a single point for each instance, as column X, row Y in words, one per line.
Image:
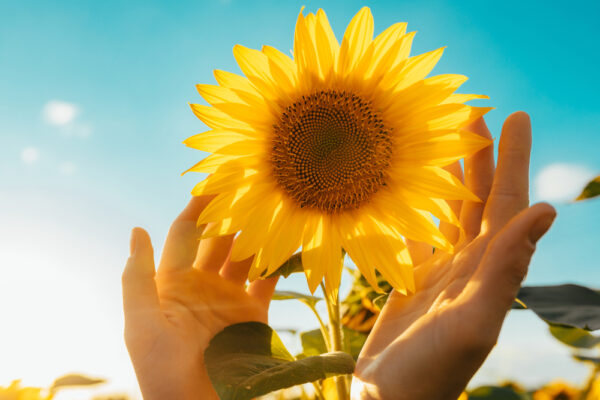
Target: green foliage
column 592, row 189
column 310, row 301
column 496, row 393
column 248, row 360
column 565, row 305
column 574, row 337
column 292, row 265
column 74, row 380
column 313, row 343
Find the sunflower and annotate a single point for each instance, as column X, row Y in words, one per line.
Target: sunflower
column 557, row 390
column 340, row 147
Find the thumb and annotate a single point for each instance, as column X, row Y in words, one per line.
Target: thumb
column 498, row 278
column 140, row 297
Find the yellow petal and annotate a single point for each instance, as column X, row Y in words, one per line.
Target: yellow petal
column 225, row 182
column 226, row 226
column 441, row 117
column 409, row 222
column 440, row 150
column 422, row 94
column 255, row 65
column 322, row 251
column 284, row 237
column 326, row 44
column 254, row 232
column 218, row 161
column 312, row 238
column 389, row 254
column 217, row 119
column 225, row 142
column 357, row 38
column 240, row 85
column 432, row 182
column 282, row 68
column 383, row 51
column 411, row 70
column 305, row 53
column 351, row 231
column 462, row 98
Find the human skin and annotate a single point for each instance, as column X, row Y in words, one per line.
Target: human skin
column 428, row 345
column 424, row 346
column 171, row 314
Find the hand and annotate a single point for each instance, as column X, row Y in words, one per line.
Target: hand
column 428, row 345
column 171, row 317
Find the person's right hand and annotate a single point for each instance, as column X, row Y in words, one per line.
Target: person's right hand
column 171, row 317
column 428, row 345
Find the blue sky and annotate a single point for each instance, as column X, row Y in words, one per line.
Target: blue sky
column 93, row 109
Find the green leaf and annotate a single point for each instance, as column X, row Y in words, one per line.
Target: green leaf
column 495, row 393
column 311, row 301
column 594, row 360
column 248, row 360
column 574, row 337
column 313, row 343
column 592, row 189
column 292, row 265
column 566, row 305
column 74, row 380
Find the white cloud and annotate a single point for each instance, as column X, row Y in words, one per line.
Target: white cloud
column 561, row 182
column 30, row 155
column 67, row 168
column 60, row 113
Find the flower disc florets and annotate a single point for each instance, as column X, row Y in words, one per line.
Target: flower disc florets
column 331, row 151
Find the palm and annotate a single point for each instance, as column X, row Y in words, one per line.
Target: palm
column 171, row 316
column 428, row 345
column 202, row 303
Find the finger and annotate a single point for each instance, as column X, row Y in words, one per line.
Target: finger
column 213, row 252
column 510, row 189
column 419, row 251
column 262, row 289
column 479, row 174
column 183, row 238
column 236, row 271
column 451, row 231
column 505, row 262
column 140, row 297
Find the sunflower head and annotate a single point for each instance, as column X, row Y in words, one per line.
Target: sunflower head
column 342, row 146
column 557, row 390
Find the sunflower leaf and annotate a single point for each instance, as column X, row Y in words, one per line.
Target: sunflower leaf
column 292, row 265
column 495, row 393
column 592, row 189
column 248, row 359
column 574, row 337
column 565, row 305
column 311, row 301
column 72, row 380
column 313, row 343
column 594, row 360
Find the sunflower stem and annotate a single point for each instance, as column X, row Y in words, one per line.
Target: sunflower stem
column 323, row 327
column 336, row 340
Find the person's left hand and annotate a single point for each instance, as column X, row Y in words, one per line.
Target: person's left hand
column 171, row 316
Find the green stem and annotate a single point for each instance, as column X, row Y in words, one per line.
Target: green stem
column 335, row 331
column 323, row 327
column 318, row 391
column 590, row 382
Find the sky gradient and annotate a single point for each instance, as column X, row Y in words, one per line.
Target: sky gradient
column 94, row 107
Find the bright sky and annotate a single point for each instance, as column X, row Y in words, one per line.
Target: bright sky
column 93, row 109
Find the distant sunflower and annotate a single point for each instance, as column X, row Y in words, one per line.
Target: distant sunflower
column 341, row 146
column 557, row 390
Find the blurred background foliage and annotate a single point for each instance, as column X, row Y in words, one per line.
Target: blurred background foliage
column 572, row 312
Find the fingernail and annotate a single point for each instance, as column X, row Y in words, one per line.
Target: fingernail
column 132, row 241
column 541, row 227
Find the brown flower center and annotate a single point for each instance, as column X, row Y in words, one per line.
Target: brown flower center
column 331, row 151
